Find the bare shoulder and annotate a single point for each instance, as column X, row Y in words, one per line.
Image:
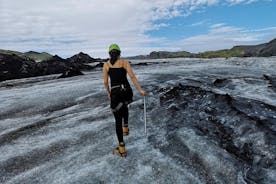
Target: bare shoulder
column 125, row 63
column 105, row 66
column 123, row 60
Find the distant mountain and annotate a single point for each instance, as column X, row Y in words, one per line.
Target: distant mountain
column 163, row 54
column 270, row 49
column 36, row 56
column 261, row 50
column 226, row 53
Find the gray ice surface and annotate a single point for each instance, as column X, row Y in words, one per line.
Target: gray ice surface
column 209, row 121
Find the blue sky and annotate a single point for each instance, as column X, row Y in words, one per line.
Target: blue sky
column 67, row 27
column 252, row 16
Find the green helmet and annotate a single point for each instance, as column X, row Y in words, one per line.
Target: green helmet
column 114, row 47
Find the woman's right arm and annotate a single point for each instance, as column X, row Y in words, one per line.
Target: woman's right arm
column 105, row 77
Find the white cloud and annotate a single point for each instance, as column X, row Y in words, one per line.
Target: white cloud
column 68, row 26
column 65, row 27
column 203, row 22
column 233, row 2
column 217, row 25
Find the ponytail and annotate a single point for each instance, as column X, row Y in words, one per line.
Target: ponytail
column 114, row 56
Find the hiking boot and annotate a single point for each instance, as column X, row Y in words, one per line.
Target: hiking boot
column 121, row 150
column 125, row 131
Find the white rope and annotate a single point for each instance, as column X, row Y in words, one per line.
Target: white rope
column 145, row 115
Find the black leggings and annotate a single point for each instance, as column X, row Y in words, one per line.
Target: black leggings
column 119, row 116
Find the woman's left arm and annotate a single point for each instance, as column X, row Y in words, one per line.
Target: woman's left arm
column 133, row 78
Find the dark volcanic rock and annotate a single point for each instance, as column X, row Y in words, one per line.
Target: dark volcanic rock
column 100, row 65
column 271, row 81
column 71, row 73
column 14, row 67
column 54, row 65
column 229, row 122
column 220, row 82
column 141, row 64
column 82, row 58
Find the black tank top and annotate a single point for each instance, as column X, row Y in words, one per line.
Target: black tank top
column 118, row 76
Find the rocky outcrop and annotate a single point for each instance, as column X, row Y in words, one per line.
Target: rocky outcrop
column 82, row 58
column 234, row 124
column 53, row 65
column 70, row 73
column 56, row 65
column 82, row 61
column 14, row 67
column 271, row 81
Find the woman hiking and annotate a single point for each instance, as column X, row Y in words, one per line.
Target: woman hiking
column 120, row 92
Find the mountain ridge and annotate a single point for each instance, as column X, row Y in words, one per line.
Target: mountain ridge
column 36, row 56
column 260, row 50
